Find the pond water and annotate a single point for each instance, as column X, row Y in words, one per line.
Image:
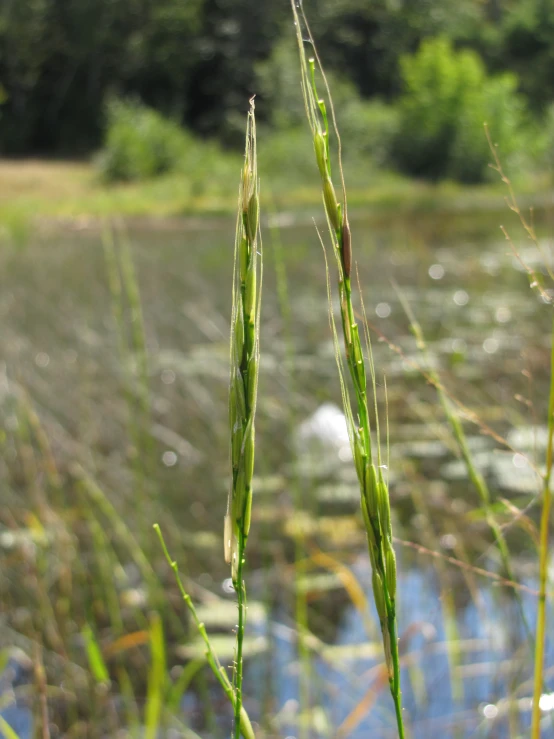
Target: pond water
column 142, row 415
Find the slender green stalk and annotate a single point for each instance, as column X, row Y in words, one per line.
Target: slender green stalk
column 373, row 486
column 543, row 559
column 217, row 668
column 245, row 358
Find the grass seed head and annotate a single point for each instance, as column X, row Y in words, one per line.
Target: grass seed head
column 252, row 381
column 371, row 491
column 247, row 515
column 243, row 258
column 237, row 436
column 246, row 185
column 227, row 536
column 379, row 593
column 238, row 332
column 390, row 571
column 249, row 456
column 320, row 153
column 250, row 293
column 346, row 247
column 252, row 215
column 384, row 508
column 331, row 204
column 359, row 455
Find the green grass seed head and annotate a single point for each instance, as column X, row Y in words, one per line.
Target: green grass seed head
column 359, row 455
column 249, row 456
column 252, row 216
column 243, row 258
column 346, row 247
column 227, row 537
column 252, row 381
column 367, row 521
column 238, row 332
column 358, row 355
column 237, row 437
column 390, row 570
column 247, row 515
column 237, row 385
column 331, row 204
column 239, row 493
column 371, row 491
column 384, row 508
column 379, row 592
column 250, row 293
column 246, row 184
column 320, row 153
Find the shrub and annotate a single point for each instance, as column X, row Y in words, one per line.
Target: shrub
column 139, row 142
column 446, row 100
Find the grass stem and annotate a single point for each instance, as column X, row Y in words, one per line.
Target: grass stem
column 543, row 559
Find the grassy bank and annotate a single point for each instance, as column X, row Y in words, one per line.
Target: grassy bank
column 38, row 190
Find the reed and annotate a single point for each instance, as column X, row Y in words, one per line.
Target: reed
column 373, row 485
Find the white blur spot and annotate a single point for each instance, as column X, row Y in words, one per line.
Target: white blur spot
column 169, row 459
column 326, row 426
column 546, row 702
column 345, row 453
column 461, row 297
column 168, row 376
column 459, row 345
column 227, row 585
column 503, row 314
column 490, row 711
column 383, row 310
column 448, row 541
column 490, row 345
column 436, row 271
column 42, row 359
column 519, row 461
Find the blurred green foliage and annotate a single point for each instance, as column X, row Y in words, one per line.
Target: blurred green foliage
column 446, row 99
column 140, row 142
column 197, row 62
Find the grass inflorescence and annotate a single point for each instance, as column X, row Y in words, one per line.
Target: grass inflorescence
column 245, row 358
column 373, row 485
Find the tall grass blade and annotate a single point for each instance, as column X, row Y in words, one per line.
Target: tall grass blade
column 7, row 730
column 156, row 678
column 94, row 655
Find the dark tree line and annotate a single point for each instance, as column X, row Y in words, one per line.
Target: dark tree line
column 196, row 60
